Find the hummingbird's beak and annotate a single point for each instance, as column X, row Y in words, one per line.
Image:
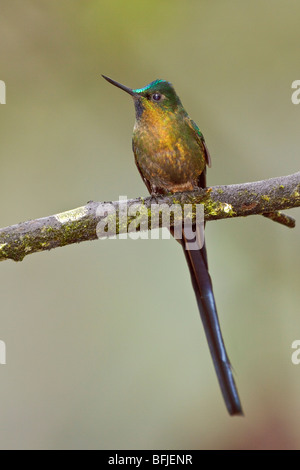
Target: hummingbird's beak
column 119, row 85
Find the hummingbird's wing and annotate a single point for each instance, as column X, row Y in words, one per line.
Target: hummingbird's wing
column 201, row 141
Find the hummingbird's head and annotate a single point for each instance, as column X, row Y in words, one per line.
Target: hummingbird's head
column 158, row 95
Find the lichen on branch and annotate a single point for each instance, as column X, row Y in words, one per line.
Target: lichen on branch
column 267, row 197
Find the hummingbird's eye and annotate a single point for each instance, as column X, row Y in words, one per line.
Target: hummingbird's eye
column 156, row 96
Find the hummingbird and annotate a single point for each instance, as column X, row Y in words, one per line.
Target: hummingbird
column 171, row 155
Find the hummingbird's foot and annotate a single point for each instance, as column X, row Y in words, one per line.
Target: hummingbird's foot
column 155, row 198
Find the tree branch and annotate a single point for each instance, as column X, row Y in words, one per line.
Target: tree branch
column 220, row 202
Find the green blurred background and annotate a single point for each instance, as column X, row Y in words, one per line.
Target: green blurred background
column 105, row 348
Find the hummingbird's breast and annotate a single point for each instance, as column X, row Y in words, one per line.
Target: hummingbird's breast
column 168, row 155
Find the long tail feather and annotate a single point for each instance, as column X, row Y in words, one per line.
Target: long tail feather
column 197, row 263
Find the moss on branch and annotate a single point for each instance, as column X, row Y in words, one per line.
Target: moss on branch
column 266, row 197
